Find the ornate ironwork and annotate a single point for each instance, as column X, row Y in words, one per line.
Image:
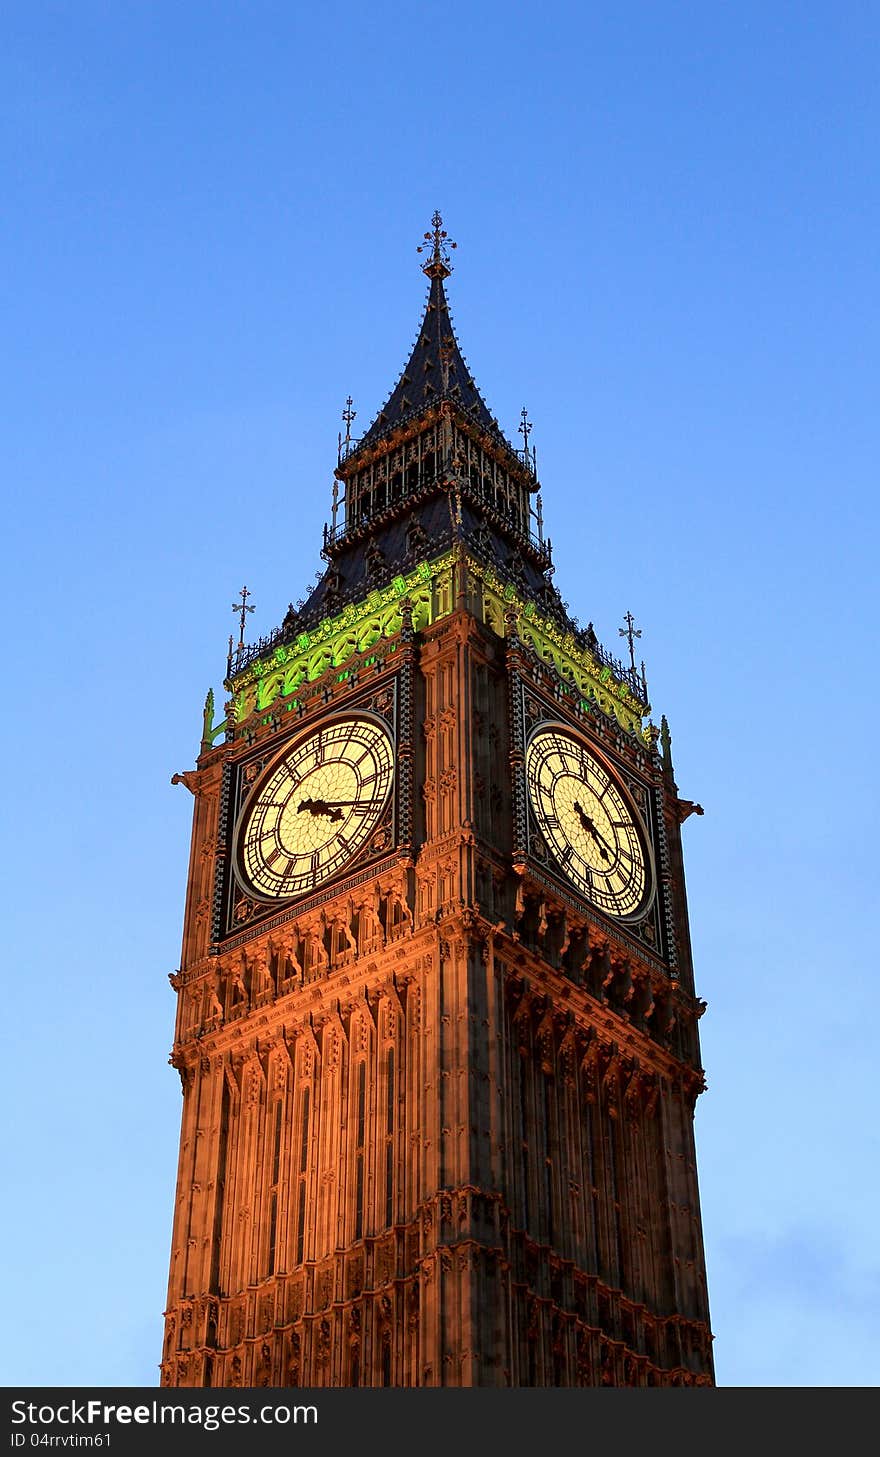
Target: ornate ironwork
column 240, row 608
column 348, row 531
column 346, row 443
column 630, row 632
column 438, row 265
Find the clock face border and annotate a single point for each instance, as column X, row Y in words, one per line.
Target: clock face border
column 642, row 827
column 247, row 799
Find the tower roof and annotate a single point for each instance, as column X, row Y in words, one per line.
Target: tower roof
column 436, row 369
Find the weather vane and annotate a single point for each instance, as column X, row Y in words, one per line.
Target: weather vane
column 630, row 632
column 241, row 608
column 438, row 265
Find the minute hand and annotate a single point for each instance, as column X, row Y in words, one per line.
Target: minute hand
column 346, row 803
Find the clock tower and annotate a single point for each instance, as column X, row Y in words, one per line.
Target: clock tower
column 436, row 1021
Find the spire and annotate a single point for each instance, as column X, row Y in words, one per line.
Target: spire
column 436, row 368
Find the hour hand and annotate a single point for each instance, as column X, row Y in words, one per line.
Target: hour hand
column 587, row 823
column 319, row 807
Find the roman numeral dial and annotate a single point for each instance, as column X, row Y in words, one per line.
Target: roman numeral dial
column 314, row 809
column 589, row 822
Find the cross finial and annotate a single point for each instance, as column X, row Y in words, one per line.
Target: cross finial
column 630, row 632
column 525, row 428
column 241, row 608
column 438, row 265
column 344, row 442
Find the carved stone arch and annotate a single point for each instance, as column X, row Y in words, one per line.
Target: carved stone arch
column 253, row 1080
column 568, row 1056
column 371, row 931
column 368, row 633
column 293, row 678
column 344, row 648
column 315, row 959
column 545, row 1040
column 493, row 615
column 390, row 1015
column 268, row 689
column 398, row 912
column 631, row 1082
column 292, row 950
column 421, row 601
column 278, row 1068
column 262, row 981
column 592, row 1068
column 611, row 1080
column 233, row 1083
column 391, row 620
column 307, row 1054
column 338, row 936
column 334, row 1042
column 522, row 1011
column 413, row 1009
column 286, row 1045
column 362, row 1030
column 527, row 634
column 318, row 663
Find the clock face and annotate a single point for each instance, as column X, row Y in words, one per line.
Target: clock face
column 314, row 808
column 591, row 826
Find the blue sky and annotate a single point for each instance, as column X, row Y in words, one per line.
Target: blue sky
column 667, row 218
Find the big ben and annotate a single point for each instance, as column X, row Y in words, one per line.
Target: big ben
column 437, row 1030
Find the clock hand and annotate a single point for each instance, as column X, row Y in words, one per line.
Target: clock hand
column 347, row 803
column 329, row 804
column 588, row 825
column 319, row 807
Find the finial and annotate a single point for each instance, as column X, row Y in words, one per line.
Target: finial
column 344, row 441
column 335, row 507
column 525, row 428
column 666, row 743
column 208, row 722
column 630, row 632
column 438, row 265
column 241, row 608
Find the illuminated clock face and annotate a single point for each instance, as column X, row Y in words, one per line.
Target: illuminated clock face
column 314, row 809
column 591, row 827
